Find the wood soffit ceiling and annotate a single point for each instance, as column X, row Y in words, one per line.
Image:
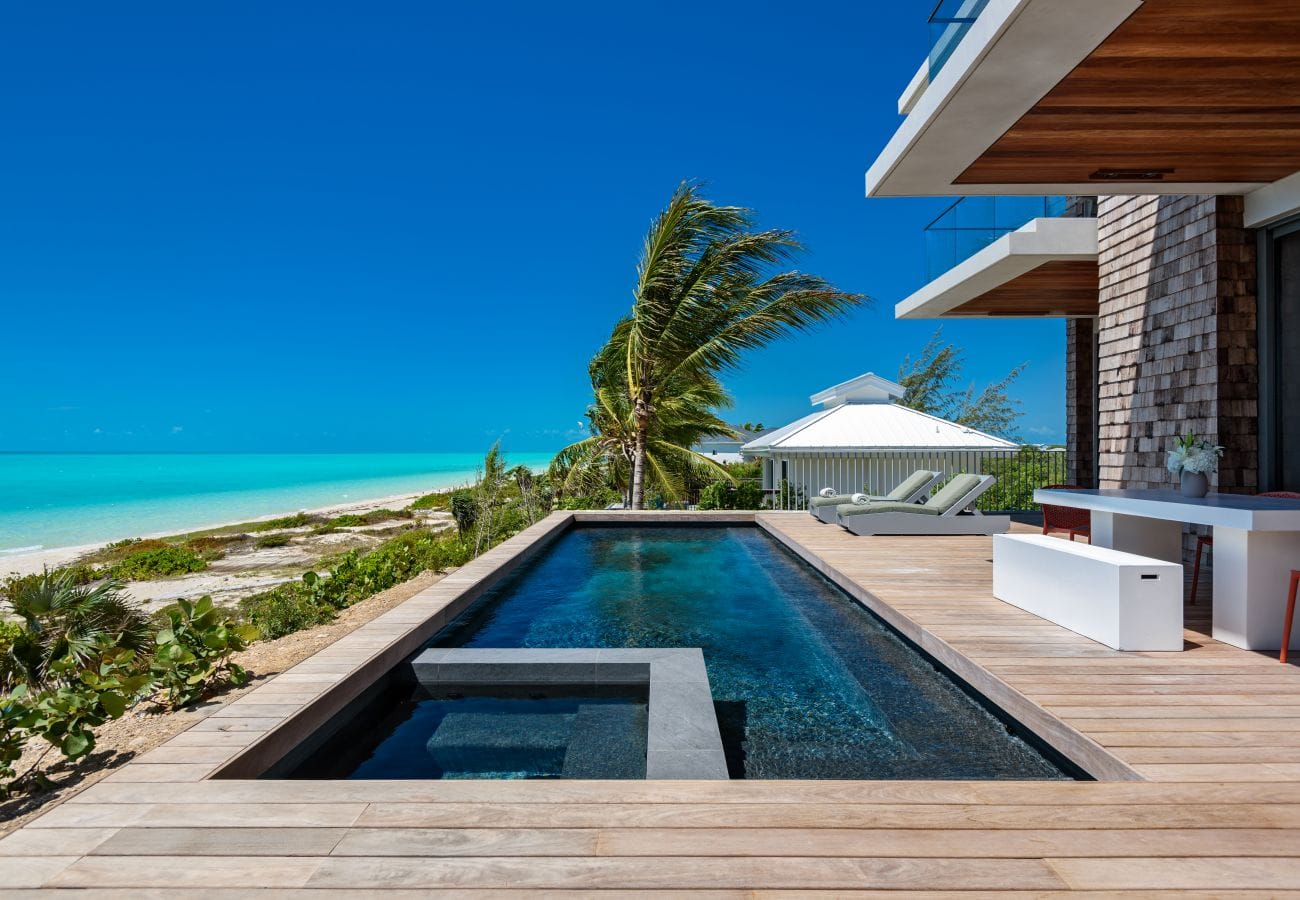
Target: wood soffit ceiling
column 1060, row 288
column 1182, row 91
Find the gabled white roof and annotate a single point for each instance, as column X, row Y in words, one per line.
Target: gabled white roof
column 868, row 388
column 874, row 426
column 860, row 414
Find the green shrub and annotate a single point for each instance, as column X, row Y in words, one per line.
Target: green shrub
column 82, row 695
column 9, row 668
column 214, row 546
column 745, row 471
column 790, row 496
column 76, row 575
column 436, row 500
column 715, row 496
column 88, row 696
column 1019, row 476
column 117, row 551
column 598, row 499
column 297, row 520
column 159, row 562
column 192, row 655
column 464, row 509
column 272, row 540
column 13, row 737
column 61, row 619
column 374, row 517
column 749, row 495
column 400, row 559
column 347, row 520
column 284, row 610
column 721, row 495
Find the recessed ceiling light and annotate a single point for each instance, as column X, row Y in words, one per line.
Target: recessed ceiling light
column 1130, row 174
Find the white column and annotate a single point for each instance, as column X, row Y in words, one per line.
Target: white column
column 1156, row 538
column 1252, row 572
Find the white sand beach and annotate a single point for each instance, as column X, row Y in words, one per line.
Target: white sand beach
column 36, row 560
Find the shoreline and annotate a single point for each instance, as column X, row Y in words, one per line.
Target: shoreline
column 33, row 561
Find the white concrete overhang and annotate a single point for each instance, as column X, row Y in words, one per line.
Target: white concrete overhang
column 1274, row 202
column 1011, row 260
column 1015, row 52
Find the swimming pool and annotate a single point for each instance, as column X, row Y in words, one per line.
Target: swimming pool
column 414, row 733
column 806, row 683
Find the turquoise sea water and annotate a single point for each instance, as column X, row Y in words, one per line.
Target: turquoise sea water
column 65, row 499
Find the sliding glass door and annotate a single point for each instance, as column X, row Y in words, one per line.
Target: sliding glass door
column 1279, row 332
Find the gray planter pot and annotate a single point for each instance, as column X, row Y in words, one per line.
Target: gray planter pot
column 1193, row 484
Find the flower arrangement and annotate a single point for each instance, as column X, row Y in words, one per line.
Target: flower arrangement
column 1194, row 454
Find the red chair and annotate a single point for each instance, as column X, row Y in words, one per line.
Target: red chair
column 1207, row 540
column 1290, row 614
column 1066, row 519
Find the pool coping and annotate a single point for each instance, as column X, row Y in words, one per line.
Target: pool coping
column 682, row 741
column 260, row 728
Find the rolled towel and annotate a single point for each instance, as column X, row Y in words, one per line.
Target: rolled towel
column 826, row 492
column 861, row 498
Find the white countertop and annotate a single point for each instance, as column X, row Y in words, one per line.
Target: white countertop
column 1245, row 511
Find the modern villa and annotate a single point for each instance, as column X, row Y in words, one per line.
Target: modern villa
column 738, row 704
column 1169, row 242
column 1180, row 282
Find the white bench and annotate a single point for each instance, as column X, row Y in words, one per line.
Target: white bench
column 1122, row 600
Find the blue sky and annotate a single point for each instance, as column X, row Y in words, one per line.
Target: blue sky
column 388, row 226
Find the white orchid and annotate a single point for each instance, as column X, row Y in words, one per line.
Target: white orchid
column 1194, row 454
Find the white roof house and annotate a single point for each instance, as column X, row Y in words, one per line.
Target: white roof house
column 725, row 448
column 862, row 440
column 861, row 414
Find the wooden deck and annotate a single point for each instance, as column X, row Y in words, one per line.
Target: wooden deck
column 1200, row 751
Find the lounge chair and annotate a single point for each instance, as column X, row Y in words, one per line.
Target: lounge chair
column 911, row 489
column 944, row 513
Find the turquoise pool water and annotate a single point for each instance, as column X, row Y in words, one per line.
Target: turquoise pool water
column 67, row 499
column 806, row 683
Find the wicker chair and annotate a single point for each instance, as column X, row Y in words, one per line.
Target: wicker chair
column 1066, row 519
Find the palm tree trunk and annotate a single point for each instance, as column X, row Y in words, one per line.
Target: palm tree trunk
column 638, row 454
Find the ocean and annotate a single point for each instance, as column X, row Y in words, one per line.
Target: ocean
column 52, row 500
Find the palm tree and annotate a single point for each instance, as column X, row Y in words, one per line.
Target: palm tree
column 706, row 292
column 686, row 414
column 64, row 619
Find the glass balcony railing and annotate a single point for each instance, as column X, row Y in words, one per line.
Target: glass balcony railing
column 972, row 223
column 949, row 22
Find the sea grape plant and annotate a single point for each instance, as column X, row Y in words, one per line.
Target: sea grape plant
column 13, row 737
column 192, row 654
column 87, row 697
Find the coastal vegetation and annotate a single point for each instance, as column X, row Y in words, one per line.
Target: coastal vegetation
column 158, row 562
column 742, row 490
column 931, row 384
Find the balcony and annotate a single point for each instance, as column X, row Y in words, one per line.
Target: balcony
column 972, row 223
column 1009, row 256
column 949, row 22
